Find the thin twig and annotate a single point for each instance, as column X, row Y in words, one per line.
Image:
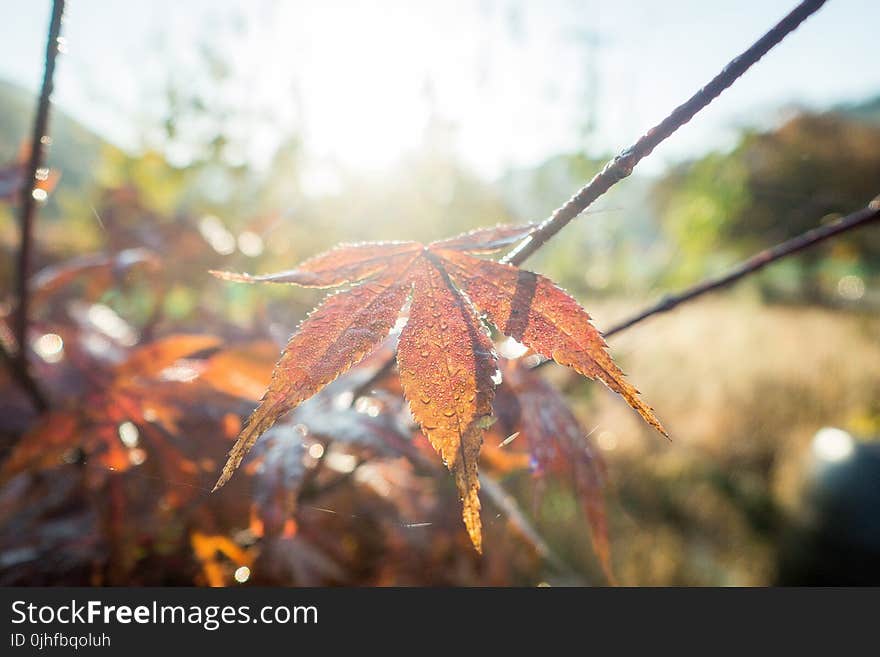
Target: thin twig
column 35, row 161
column 863, row 217
column 29, row 208
column 622, row 165
column 867, row 215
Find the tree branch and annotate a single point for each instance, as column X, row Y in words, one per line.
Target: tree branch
column 29, row 206
column 863, row 217
column 867, row 215
column 622, row 165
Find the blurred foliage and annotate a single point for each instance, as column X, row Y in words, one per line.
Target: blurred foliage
column 772, row 186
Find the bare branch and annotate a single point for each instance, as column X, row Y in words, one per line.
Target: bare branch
column 622, row 165
column 867, row 215
column 863, row 217
column 29, row 207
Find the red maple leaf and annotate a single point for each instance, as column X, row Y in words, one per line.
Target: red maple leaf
column 445, row 357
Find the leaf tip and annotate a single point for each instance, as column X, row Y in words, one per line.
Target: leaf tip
column 651, row 418
column 471, row 517
column 221, row 481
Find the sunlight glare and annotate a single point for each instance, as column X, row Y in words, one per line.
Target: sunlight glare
column 832, row 445
column 370, row 81
column 106, row 320
column 851, row 288
column 129, row 434
column 242, row 574
column 216, row 234
column 49, row 347
column 250, row 244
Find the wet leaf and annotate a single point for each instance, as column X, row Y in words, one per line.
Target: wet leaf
column 533, row 310
column 445, row 358
column 486, row 240
column 339, row 333
column 347, row 263
column 446, row 366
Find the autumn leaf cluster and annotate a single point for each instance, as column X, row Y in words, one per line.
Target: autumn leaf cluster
column 111, row 486
column 448, row 367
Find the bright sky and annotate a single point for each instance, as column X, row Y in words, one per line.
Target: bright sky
column 515, row 77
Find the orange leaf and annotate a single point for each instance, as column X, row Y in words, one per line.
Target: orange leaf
column 347, row 263
column 446, row 368
column 338, row 334
column 445, row 358
column 558, row 444
column 43, row 446
column 532, row 309
column 242, row 371
column 485, row 240
column 154, row 357
column 207, row 548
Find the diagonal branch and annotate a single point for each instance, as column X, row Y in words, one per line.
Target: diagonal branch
column 622, row 165
column 863, row 217
column 867, row 215
column 29, row 208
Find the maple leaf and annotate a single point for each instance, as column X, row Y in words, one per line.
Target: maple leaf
column 445, row 357
column 127, row 392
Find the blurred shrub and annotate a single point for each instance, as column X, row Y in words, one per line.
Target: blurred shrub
column 772, row 186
